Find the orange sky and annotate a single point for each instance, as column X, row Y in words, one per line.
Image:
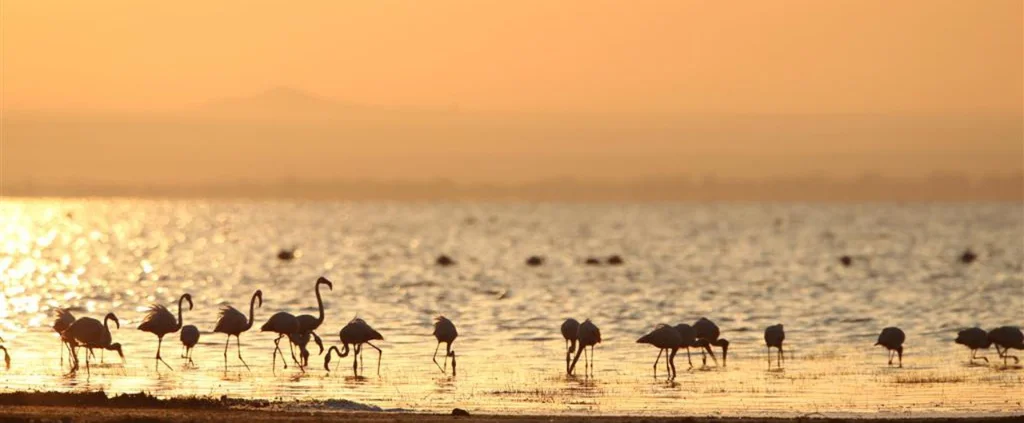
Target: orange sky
column 672, row 56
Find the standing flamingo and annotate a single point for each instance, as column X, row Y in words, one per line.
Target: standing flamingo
column 569, row 329
column 707, row 335
column 189, row 339
column 688, row 338
column 668, row 341
column 283, row 324
column 975, row 339
column 7, row 355
column 90, row 333
column 773, row 337
column 301, row 340
column 159, row 321
column 588, row 335
column 892, row 339
column 233, row 322
column 356, row 333
column 62, row 322
column 444, row 331
column 1007, row 337
column 308, row 323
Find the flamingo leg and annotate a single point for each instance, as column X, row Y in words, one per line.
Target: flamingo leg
column 769, row 349
column 672, row 362
column 782, row 356
column 658, row 358
column 380, row 355
column 159, row 344
column 591, row 360
column 435, row 356
column 355, row 361
column 688, row 358
column 447, row 353
column 451, row 353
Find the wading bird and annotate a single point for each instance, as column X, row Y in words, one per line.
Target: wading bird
column 892, row 339
column 773, row 337
column 283, row 324
column 7, row 355
column 444, row 331
column 688, row 338
column 1007, row 337
column 587, row 336
column 301, row 340
column 668, row 341
column 707, row 335
column 233, row 322
column 159, row 321
column 189, row 339
column 308, row 323
column 355, row 333
column 569, row 329
column 90, row 333
column 975, row 339
column 61, row 323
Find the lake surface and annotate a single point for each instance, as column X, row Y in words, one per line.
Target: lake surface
column 745, row 266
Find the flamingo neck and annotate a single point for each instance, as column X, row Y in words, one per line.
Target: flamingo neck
column 252, row 308
column 179, row 312
column 320, row 305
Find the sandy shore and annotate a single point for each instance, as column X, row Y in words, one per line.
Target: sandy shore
column 97, row 407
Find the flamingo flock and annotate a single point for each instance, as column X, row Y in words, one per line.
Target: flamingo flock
column 92, row 334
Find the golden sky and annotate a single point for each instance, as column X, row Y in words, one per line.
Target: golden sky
column 529, row 89
column 532, row 55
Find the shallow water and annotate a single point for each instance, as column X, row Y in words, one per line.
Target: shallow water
column 743, row 266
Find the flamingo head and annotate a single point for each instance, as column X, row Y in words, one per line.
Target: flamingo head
column 111, row 316
column 325, row 281
column 259, row 296
column 187, row 297
column 117, row 347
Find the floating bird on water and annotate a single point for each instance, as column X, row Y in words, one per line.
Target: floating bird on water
column 892, row 339
column 668, row 341
column 233, row 322
column 708, row 335
column 846, row 261
column 588, row 335
column 90, row 333
column 615, row 260
column 773, row 337
column 159, row 321
column 189, row 339
column 444, row 331
column 975, row 339
column 355, row 333
column 283, row 324
column 286, row 254
column 968, row 256
column 1006, row 337
column 535, row 261
column 592, row 261
column 443, row 261
column 570, row 327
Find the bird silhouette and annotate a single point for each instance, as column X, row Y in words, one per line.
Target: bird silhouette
column 892, row 339
column 444, row 331
column 283, row 324
column 7, row 355
column 233, row 322
column 708, row 335
column 588, row 335
column 90, row 333
column 1006, row 337
column 189, row 339
column 355, row 333
column 668, row 340
column 308, row 323
column 62, row 322
column 301, row 340
column 159, row 321
column 569, row 329
column 975, row 339
column 773, row 337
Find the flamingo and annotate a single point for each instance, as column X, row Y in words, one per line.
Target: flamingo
column 233, row 322
column 7, row 355
column 1007, row 337
column 159, row 321
column 308, row 323
column 62, row 322
column 283, row 324
column 302, row 340
column 666, row 338
column 189, row 339
column 773, row 337
column 90, row 333
column 707, row 335
column 689, row 340
column 356, row 333
column 569, row 329
column 444, row 331
column 975, row 339
column 588, row 335
column 892, row 339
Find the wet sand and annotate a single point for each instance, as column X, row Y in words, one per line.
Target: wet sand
column 97, row 407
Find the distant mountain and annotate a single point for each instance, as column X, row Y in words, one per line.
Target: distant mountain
column 279, row 103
